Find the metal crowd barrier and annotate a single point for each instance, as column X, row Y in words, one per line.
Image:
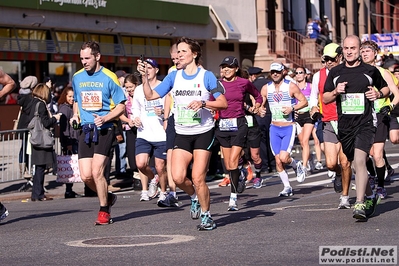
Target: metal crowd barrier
column 11, row 143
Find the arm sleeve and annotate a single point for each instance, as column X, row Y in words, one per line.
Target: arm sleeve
column 44, row 116
column 329, row 85
column 135, row 104
column 166, row 85
column 314, row 93
column 379, row 81
column 212, row 84
column 250, row 88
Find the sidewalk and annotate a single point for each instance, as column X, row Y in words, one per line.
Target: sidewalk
column 9, row 190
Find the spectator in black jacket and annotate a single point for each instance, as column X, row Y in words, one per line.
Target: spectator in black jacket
column 25, row 101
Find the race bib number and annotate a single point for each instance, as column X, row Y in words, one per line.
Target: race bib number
column 277, row 114
column 250, row 120
column 186, row 116
column 92, row 100
column 228, row 124
column 150, row 105
column 352, row 103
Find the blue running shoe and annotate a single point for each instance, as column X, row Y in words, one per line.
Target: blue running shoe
column 207, row 223
column 195, row 209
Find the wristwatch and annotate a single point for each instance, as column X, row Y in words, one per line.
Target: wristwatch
column 203, row 104
column 381, row 94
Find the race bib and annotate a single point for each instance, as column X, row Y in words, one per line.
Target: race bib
column 277, row 114
column 250, row 120
column 150, row 105
column 92, row 100
column 186, row 116
column 228, row 124
column 352, row 103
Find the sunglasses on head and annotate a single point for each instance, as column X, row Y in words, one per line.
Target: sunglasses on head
column 299, row 72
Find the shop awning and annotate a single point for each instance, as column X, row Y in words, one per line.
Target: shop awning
column 226, row 29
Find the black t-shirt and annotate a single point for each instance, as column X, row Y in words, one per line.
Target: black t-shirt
column 358, row 78
column 259, row 82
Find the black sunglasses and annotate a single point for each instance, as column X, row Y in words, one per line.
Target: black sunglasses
column 327, row 58
column 275, row 71
column 299, row 72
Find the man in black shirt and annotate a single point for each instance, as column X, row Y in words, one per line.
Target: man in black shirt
column 352, row 85
column 268, row 161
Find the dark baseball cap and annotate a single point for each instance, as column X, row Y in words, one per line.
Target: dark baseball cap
column 152, row 62
column 230, row 61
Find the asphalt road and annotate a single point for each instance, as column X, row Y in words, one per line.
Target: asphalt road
column 267, row 229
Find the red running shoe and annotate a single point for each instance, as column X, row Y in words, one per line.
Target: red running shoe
column 225, row 182
column 250, row 174
column 103, row 218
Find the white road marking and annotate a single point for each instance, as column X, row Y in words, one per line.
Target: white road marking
column 172, row 239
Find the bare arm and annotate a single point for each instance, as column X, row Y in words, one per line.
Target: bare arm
column 392, row 87
column 7, row 82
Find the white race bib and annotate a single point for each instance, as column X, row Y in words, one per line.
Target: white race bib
column 352, row 103
column 228, row 124
column 92, row 100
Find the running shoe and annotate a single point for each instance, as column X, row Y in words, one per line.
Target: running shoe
column 232, row 204
column 103, row 218
column 286, row 192
column 3, row 212
column 225, row 182
column 153, row 187
column 371, row 205
column 169, row 201
column 388, row 174
column 250, row 173
column 372, row 182
column 359, row 212
column 144, row 196
column 331, row 174
column 344, row 202
column 162, row 196
column 318, row 166
column 195, row 209
column 207, row 223
column 382, row 192
column 300, row 172
column 338, row 184
column 257, row 183
column 242, row 180
column 353, row 187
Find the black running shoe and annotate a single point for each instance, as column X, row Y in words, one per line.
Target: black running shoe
column 338, row 184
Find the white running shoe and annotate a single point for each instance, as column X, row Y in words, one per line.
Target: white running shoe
column 153, row 187
column 286, row 192
column 144, row 196
column 162, row 196
column 344, row 202
column 318, row 166
column 300, row 172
